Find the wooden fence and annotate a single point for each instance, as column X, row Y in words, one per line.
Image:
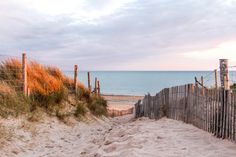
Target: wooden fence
column 21, row 84
column 211, row 110
column 116, row 113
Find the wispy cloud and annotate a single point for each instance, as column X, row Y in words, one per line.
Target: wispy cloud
column 223, row 50
column 111, row 34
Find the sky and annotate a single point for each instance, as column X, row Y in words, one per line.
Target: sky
column 120, row 34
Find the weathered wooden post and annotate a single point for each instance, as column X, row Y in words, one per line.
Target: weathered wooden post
column 196, row 82
column 95, row 86
column 75, row 77
column 224, row 74
column 24, row 74
column 99, row 92
column 216, row 79
column 224, row 77
column 202, row 82
column 89, row 83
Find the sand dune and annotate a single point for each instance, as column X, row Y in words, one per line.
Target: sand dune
column 117, row 137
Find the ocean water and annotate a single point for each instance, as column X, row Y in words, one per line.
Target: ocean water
column 142, row 82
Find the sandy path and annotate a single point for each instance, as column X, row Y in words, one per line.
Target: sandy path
column 122, row 137
column 117, row 137
column 163, row 138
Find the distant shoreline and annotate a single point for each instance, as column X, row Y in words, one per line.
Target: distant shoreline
column 145, row 71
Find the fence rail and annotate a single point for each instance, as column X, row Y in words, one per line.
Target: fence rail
column 10, row 73
column 116, row 113
column 211, row 110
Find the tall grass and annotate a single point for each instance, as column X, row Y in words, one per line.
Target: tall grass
column 11, row 102
column 11, row 72
column 98, row 106
column 48, row 86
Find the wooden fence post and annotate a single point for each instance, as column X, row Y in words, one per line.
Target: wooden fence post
column 24, row 74
column 95, row 86
column 99, row 92
column 216, row 79
column 224, row 74
column 196, row 84
column 202, row 82
column 89, row 82
column 75, row 77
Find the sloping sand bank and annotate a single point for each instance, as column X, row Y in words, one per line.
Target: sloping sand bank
column 121, row 137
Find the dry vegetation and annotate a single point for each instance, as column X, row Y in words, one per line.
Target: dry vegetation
column 50, row 92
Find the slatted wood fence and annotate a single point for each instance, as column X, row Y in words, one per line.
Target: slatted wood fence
column 211, row 110
column 116, row 113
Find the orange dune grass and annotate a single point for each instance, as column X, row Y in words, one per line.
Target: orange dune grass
column 49, row 88
column 43, row 80
column 11, row 65
column 11, row 72
column 67, row 82
column 6, row 89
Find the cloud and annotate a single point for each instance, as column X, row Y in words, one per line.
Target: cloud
column 224, row 50
column 110, row 34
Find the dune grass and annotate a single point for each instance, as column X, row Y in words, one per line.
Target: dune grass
column 11, row 102
column 98, row 106
column 49, row 89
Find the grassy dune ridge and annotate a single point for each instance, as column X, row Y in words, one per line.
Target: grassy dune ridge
column 50, row 91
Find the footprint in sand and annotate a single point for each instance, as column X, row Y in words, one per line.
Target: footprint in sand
column 110, row 149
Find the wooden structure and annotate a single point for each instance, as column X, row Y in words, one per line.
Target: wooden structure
column 215, row 111
column 216, row 78
column 75, row 77
column 24, row 88
column 24, row 74
column 116, row 113
column 224, row 74
column 98, row 87
column 202, row 83
column 89, row 82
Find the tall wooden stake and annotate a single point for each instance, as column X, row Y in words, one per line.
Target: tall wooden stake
column 196, row 84
column 224, row 74
column 89, row 83
column 24, row 74
column 95, row 84
column 99, row 92
column 216, row 79
column 75, row 77
column 202, row 82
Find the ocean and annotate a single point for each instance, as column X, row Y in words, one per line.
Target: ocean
column 142, row 82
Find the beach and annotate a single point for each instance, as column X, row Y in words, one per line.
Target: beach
column 121, row 102
column 121, row 136
column 119, row 105
column 117, row 78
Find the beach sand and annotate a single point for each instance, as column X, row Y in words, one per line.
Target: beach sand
column 121, row 102
column 110, row 137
